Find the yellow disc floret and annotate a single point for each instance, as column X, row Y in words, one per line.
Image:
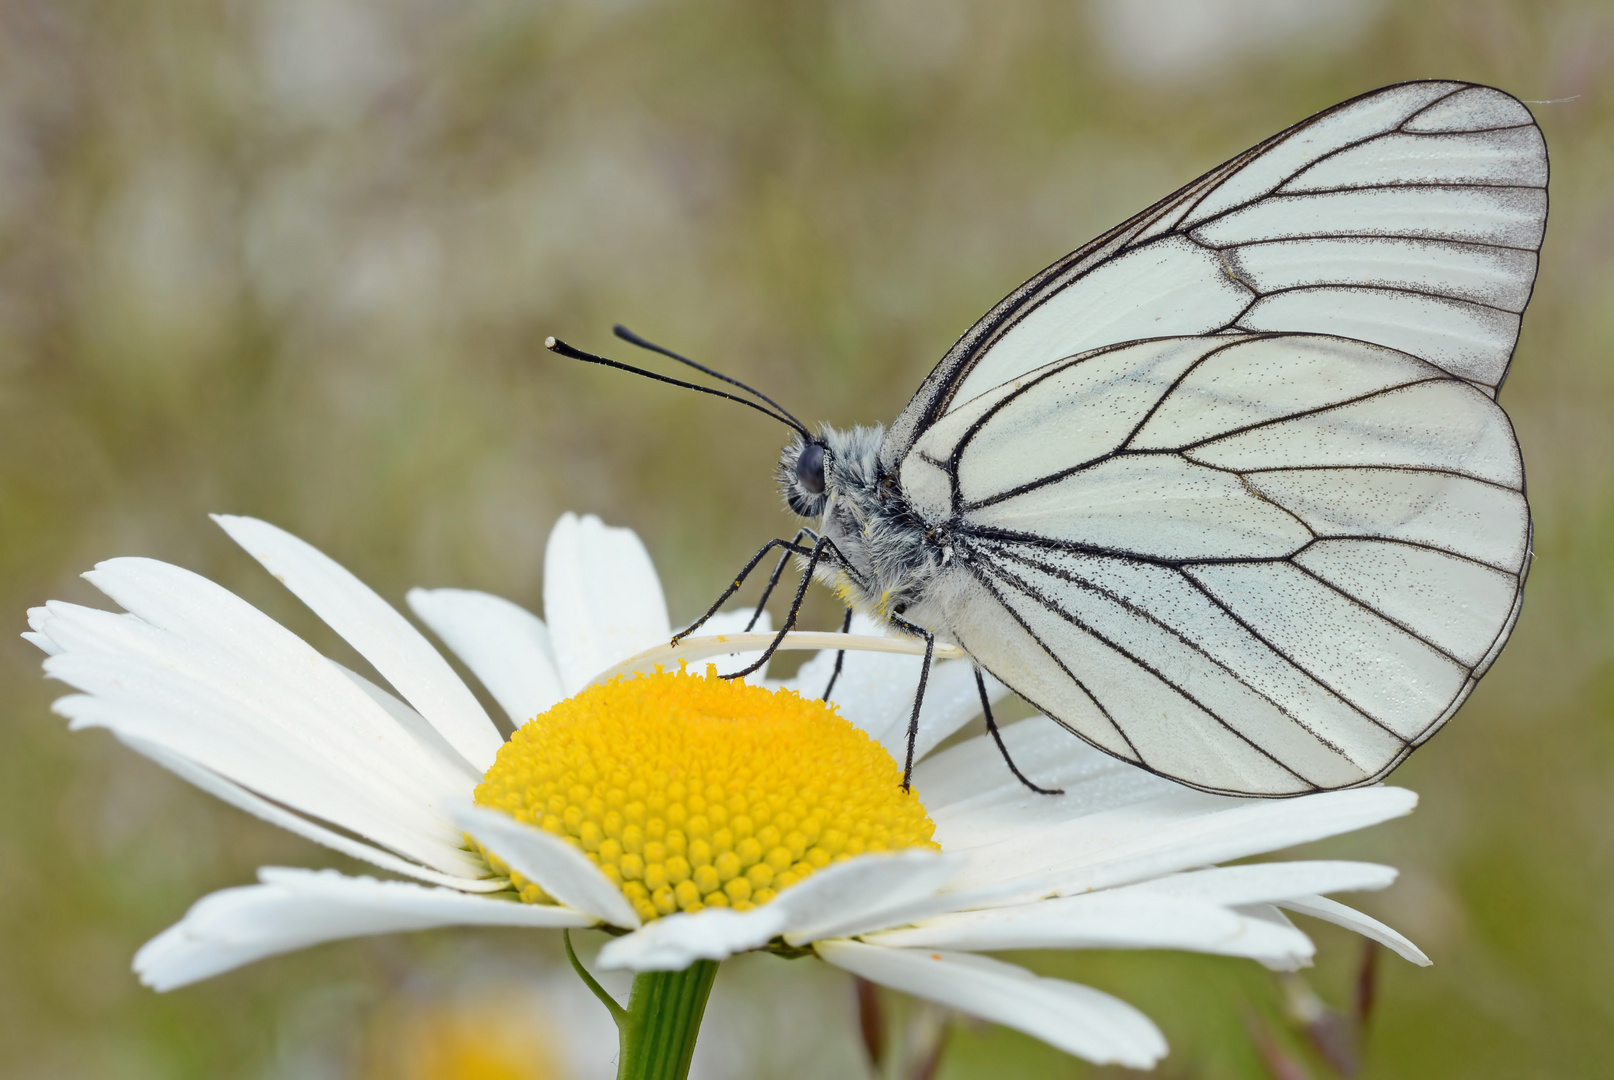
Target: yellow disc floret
column 692, row 792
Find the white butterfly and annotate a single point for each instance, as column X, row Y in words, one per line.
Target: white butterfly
column 1226, row 491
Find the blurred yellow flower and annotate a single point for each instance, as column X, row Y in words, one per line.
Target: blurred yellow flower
column 481, row 1038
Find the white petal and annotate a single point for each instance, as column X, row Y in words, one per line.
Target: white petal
column 291, row 727
column 504, row 645
column 674, row 942
column 226, row 737
column 866, row 892
column 1107, row 920
column 411, row 721
column 1115, row 824
column 1201, row 910
column 1266, row 883
column 1170, row 834
column 36, row 633
column 182, row 622
column 1319, row 907
column 668, row 655
column 1077, row 1019
column 734, row 622
column 602, row 598
column 373, row 627
column 294, row 909
column 242, row 799
column 1275, row 921
column 563, row 871
column 43, row 643
column 1094, row 921
column 1224, row 910
column 869, row 890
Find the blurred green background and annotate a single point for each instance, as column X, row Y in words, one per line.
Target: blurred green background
column 295, row 258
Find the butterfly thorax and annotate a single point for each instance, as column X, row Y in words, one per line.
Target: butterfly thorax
column 890, row 558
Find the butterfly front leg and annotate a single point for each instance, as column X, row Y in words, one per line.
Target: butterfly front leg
column 823, row 547
column 767, row 591
column 779, row 569
column 792, row 547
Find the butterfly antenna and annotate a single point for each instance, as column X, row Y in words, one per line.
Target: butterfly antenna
column 634, row 339
column 559, row 346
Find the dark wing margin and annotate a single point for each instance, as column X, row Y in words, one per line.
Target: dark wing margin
column 1409, row 217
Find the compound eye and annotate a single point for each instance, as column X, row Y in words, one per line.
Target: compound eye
column 810, row 468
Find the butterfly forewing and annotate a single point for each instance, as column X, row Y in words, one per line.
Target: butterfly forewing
column 1409, row 217
column 1228, row 490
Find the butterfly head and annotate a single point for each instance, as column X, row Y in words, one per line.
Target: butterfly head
column 801, row 475
column 832, row 470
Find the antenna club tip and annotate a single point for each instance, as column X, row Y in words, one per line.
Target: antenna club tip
column 550, row 342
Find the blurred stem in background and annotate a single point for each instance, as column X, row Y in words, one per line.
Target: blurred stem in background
column 907, row 1042
column 1333, row 1040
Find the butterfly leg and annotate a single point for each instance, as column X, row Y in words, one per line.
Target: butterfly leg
column 997, row 737
column 919, row 694
column 773, row 578
column 791, row 548
column 822, row 548
column 840, row 658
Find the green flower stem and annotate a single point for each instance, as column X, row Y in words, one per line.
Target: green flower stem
column 663, row 1018
column 662, row 1021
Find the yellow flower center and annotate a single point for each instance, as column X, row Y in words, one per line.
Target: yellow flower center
column 692, row 792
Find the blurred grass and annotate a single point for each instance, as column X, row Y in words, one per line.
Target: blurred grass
column 296, row 258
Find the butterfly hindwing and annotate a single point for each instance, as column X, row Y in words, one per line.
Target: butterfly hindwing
column 1259, row 564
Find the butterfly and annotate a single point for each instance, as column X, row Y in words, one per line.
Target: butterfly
column 1226, row 491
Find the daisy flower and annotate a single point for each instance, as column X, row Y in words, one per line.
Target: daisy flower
column 692, row 817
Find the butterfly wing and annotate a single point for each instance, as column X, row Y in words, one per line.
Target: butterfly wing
column 1266, row 564
column 1409, row 217
column 1270, row 548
